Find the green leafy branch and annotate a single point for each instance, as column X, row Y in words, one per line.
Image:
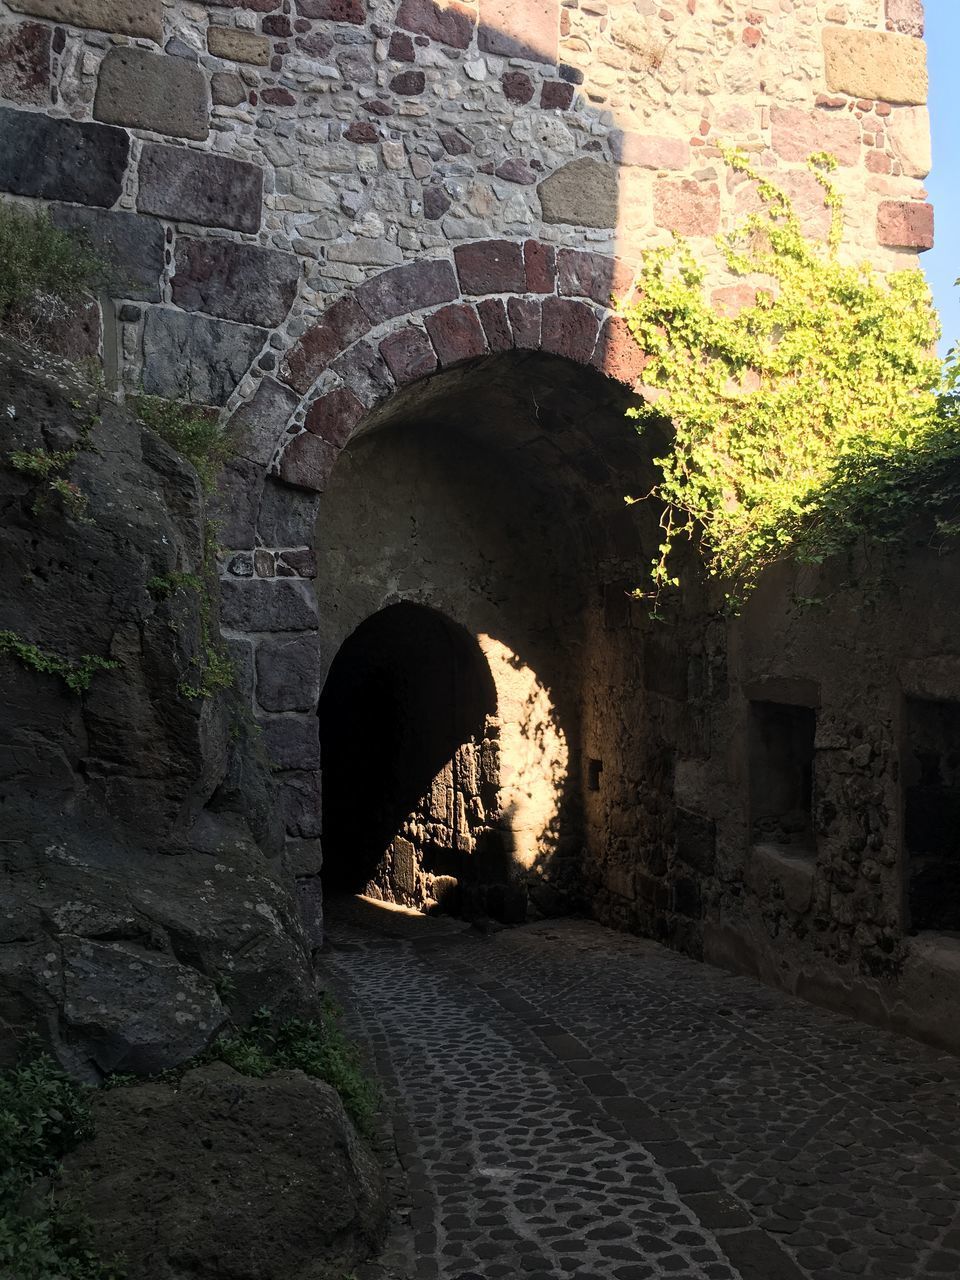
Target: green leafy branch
column 77, row 676
column 816, row 416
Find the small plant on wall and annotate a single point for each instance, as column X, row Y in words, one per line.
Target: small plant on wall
column 815, row 417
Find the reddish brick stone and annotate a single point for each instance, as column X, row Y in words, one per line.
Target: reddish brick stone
column 618, row 353
column 408, row 354
column 318, row 45
column 337, row 328
column 490, row 266
column 378, row 107
column 582, row 274
column 408, row 83
column 493, row 317
column 796, row 134
column 569, row 329
column 540, row 264
column 25, row 63
column 517, row 87
column 333, row 10
column 302, row 564
column 450, row 24
column 751, row 37
column 649, row 151
column 878, row 162
column 401, row 48
column 362, row 131
column 688, row 207
column 436, row 202
column 731, row 299
column 365, row 372
column 515, row 170
column 455, row 144
column 277, row 97
column 409, row 288
column 525, row 320
column 903, row 224
column 905, row 16
column 527, row 29
column 307, row 461
column 456, row 333
column 556, row 95
column 334, row 416
column 277, row 24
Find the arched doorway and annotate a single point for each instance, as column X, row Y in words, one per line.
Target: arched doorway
column 408, row 735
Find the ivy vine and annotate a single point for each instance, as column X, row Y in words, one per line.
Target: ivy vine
column 817, row 416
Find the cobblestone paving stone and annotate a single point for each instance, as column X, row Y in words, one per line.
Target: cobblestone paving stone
column 573, row 1102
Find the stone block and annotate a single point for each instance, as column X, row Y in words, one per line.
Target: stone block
column 236, row 45
column 797, row 134
column 905, row 224
column 288, row 673
column 267, row 604
column 618, row 354
column 120, row 17
column 569, row 329
column 236, row 501
column 450, row 24
column 196, row 186
column 456, row 334
column 521, row 29
column 146, row 90
column 61, row 159
column 239, row 282
column 496, row 326
column 906, row 16
column 583, row 274
column 287, row 516
column 227, row 89
column 409, row 83
column 25, row 63
column 301, row 803
column 257, row 426
column 409, row 288
column 338, row 327
column 649, row 151
column 540, row 267
column 307, row 461
column 131, row 244
column 908, row 131
column 696, row 841
column 301, row 564
column 525, row 321
column 584, row 193
column 556, row 95
column 291, row 741
column 364, row 370
column 195, row 358
column 490, row 266
column 688, row 207
column 517, row 87
column 335, row 415
column 409, row 355
column 879, row 65
column 334, row 10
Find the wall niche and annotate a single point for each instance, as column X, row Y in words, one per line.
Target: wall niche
column 781, row 738
column 931, row 781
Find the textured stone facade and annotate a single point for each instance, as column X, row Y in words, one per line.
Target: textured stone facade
column 331, row 217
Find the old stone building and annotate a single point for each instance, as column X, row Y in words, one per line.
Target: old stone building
column 384, row 241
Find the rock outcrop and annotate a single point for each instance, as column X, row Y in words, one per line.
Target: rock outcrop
column 176, row 1178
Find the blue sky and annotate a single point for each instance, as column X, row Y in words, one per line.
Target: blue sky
column 942, row 262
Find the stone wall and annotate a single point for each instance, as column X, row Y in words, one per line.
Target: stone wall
column 331, row 218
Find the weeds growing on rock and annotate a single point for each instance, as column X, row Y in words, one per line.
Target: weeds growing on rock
column 43, row 1115
column 75, row 675
column 316, row 1047
column 43, row 270
column 195, row 434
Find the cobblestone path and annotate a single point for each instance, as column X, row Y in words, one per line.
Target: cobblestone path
column 573, row 1103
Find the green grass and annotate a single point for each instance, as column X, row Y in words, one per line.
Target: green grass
column 194, row 433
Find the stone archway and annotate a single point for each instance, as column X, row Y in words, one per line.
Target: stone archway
column 408, row 734
column 526, row 335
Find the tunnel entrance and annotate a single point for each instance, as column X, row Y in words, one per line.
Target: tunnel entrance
column 408, row 734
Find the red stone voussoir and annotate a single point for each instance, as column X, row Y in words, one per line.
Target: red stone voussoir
column 333, row 416
column 496, row 326
column 617, row 353
column 307, row 461
column 569, row 329
column 490, row 266
column 337, row 328
column 456, row 333
column 412, row 287
column 540, row 261
column 409, row 355
column 525, row 321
